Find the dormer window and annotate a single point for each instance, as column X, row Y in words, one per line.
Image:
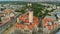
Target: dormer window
column 49, row 23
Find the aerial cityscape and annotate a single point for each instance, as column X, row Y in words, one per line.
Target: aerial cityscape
column 29, row 16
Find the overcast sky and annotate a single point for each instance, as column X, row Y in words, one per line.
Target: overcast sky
column 30, row 0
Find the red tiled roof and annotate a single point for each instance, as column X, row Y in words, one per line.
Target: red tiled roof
column 31, row 26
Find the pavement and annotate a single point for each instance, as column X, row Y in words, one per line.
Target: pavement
column 9, row 30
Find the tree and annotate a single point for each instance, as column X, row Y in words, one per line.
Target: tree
column 0, row 18
column 11, row 25
column 41, row 11
column 20, row 11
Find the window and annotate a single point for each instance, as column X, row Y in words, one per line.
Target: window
column 49, row 23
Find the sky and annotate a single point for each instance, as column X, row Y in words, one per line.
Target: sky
column 30, row 0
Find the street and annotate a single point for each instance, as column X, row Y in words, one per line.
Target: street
column 7, row 25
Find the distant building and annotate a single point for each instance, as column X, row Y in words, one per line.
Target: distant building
column 58, row 7
column 9, row 13
column 54, row 7
column 16, row 7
